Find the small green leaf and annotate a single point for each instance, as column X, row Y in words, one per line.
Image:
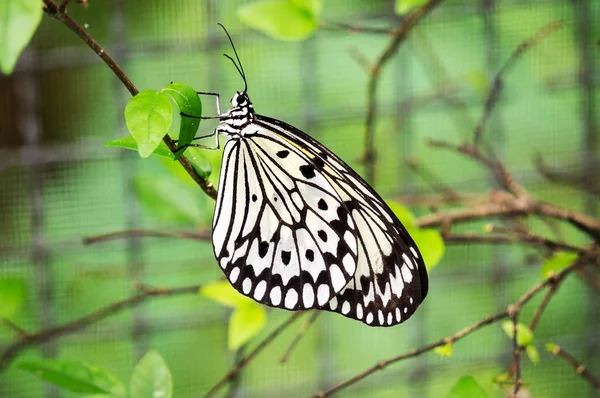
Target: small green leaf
column 246, row 322
column 20, row 19
column 444, row 351
column 404, row 215
column 130, row 143
column 312, row 7
column 467, row 387
column 430, row 244
column 553, row 348
column 199, row 162
column 169, row 200
column 223, row 293
column 148, row 116
column 281, row 19
column 189, row 103
column 12, row 292
column 404, row 6
column 556, row 263
column 151, row 378
column 532, row 353
column 524, row 334
column 75, row 376
column 501, row 378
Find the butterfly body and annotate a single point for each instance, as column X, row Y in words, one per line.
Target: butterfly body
column 296, row 228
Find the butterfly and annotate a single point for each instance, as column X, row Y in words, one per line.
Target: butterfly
column 296, row 228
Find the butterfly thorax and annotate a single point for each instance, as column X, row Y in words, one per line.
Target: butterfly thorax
column 239, row 116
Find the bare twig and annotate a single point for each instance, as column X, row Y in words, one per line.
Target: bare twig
column 138, row 233
column 350, row 28
column 398, row 34
column 580, row 368
column 494, row 94
column 524, row 299
column 53, row 333
column 513, row 313
column 305, row 326
column 53, row 10
column 233, row 373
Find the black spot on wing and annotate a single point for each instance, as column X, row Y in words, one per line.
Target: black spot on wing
column 286, row 256
column 310, row 255
column 308, row 171
column 323, row 235
column 263, row 248
column 322, row 204
column 283, row 154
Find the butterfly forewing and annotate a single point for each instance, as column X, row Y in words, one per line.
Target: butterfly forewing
column 281, row 231
column 390, row 279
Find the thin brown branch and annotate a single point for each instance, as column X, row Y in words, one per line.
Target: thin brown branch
column 398, row 34
column 53, row 10
column 517, row 350
column 494, row 93
column 53, row 333
column 580, row 368
column 524, row 299
column 301, row 332
column 528, row 239
column 144, row 233
column 351, row 28
column 233, row 373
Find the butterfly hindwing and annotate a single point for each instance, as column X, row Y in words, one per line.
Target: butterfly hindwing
column 281, row 232
column 390, row 279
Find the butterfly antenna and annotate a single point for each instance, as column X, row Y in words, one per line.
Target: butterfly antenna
column 239, row 68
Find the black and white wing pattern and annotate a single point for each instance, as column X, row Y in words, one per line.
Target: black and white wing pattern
column 281, row 230
column 390, row 280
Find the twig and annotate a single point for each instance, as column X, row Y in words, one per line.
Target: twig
column 398, row 34
column 53, row 10
column 338, row 26
column 233, row 373
column 529, row 239
column 138, row 233
column 494, row 93
column 517, row 350
column 43, row 336
column 301, row 332
column 580, row 368
column 524, row 299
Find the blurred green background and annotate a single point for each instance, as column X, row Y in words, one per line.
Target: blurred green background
column 58, row 184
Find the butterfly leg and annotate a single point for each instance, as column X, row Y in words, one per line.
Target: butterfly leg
column 217, row 143
column 218, row 98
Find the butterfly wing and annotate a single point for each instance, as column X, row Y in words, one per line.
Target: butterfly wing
column 390, row 279
column 281, row 232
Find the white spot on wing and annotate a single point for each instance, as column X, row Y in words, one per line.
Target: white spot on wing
column 369, row 318
column 380, row 317
column 308, row 295
column 359, row 311
column 333, row 303
column 414, row 252
column 337, row 278
column 351, row 241
column 246, row 285
column 389, row 318
column 398, row 315
column 345, row 307
column 322, row 294
column 275, row 295
column 260, row 290
column 349, row 264
column 234, row 274
column 291, row 298
column 406, row 274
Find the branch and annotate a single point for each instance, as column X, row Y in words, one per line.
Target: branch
column 398, row 34
column 53, row 10
column 233, row 373
column 45, row 335
column 305, row 326
column 139, row 233
column 580, row 368
column 494, row 94
column 524, row 299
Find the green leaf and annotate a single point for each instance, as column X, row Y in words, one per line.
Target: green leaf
column 404, row 215
column 556, row 263
column 223, row 293
column 169, row 200
column 553, row 348
column 148, row 116
column 20, row 19
column 281, row 19
column 312, row 7
column 189, row 103
column 151, row 378
column 75, row 376
column 532, row 353
column 524, row 334
column 246, row 322
column 502, row 378
column 130, row 143
column 430, row 244
column 444, row 351
column 467, row 387
column 404, row 6
column 12, row 292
